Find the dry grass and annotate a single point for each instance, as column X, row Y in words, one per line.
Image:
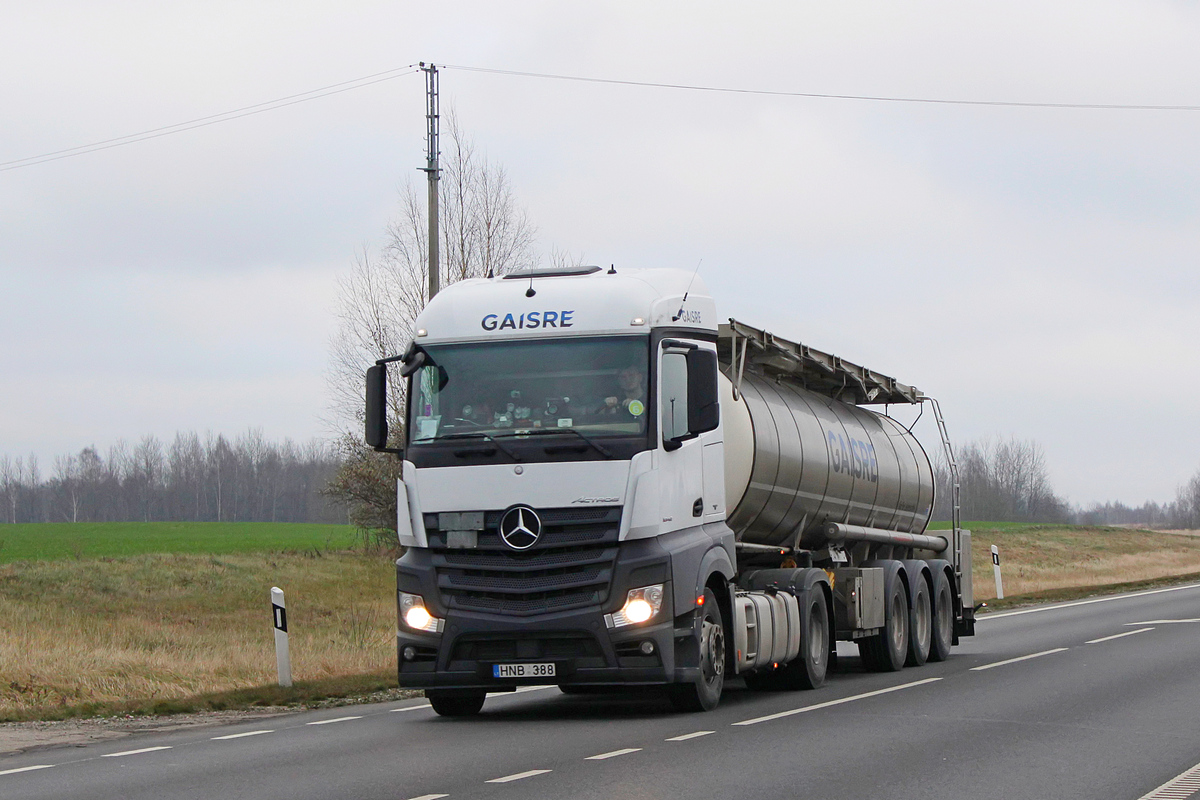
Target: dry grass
column 1039, row 559
column 168, row 633
column 157, row 627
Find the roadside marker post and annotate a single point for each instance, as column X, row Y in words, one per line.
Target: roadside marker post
column 283, row 659
column 996, row 568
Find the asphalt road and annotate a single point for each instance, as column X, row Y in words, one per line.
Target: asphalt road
column 1096, row 700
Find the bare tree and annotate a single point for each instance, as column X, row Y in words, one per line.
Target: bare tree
column 1005, row 480
column 11, row 476
column 1186, row 508
column 484, row 231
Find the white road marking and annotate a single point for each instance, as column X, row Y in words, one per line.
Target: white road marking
column 1018, row 658
column 331, row 721
column 240, row 735
column 1162, row 621
column 410, row 708
column 1118, row 636
column 521, row 689
column 1001, row 615
column 687, row 736
column 430, row 797
column 1183, row 785
column 133, row 752
column 25, row 769
column 519, row 776
column 769, row 717
column 613, row 754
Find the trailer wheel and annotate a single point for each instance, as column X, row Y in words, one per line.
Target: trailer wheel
column 920, row 623
column 456, row 704
column 886, row 650
column 705, row 693
column 943, row 618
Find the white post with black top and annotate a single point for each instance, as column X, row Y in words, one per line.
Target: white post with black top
column 996, row 568
column 283, row 659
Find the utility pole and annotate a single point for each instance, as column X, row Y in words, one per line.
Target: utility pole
column 431, row 171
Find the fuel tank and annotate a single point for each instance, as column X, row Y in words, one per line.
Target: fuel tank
column 795, row 460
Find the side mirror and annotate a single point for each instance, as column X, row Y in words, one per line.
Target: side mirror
column 376, row 416
column 413, row 361
column 703, row 407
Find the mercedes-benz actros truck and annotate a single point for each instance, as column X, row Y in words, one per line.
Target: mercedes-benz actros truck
column 603, row 487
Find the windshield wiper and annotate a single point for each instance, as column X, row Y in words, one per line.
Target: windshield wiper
column 601, row 449
column 478, row 435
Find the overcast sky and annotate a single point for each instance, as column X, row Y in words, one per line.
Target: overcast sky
column 1035, row 269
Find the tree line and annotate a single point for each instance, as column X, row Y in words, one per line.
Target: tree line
column 1181, row 513
column 1001, row 481
column 194, row 478
column 1008, row 481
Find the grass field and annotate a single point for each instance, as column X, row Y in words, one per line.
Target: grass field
column 81, row 636
column 131, row 629
column 78, row 540
column 1038, row 559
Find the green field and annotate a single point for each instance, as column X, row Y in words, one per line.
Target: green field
column 53, row 541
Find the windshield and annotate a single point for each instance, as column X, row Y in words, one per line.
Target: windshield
column 596, row 387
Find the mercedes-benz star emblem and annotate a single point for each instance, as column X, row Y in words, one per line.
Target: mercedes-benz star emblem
column 520, row 527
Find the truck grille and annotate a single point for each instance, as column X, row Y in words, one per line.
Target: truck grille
column 571, row 566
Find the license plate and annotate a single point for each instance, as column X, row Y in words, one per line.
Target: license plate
column 523, row 670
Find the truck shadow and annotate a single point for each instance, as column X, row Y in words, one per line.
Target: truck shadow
column 634, row 702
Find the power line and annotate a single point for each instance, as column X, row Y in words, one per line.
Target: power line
column 387, row 75
column 213, row 119
column 821, row 96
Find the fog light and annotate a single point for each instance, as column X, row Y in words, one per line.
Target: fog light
column 410, row 653
column 647, row 648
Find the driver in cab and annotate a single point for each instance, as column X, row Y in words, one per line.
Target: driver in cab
column 631, row 398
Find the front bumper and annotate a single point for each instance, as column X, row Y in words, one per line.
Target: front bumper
column 582, row 650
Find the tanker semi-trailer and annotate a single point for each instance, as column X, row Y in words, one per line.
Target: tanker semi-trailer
column 602, row 487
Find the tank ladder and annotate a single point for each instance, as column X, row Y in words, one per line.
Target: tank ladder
column 955, row 509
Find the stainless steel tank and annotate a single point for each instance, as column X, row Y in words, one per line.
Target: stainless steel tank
column 795, row 460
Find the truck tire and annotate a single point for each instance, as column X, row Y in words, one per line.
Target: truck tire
column 943, row 618
column 455, row 704
column 808, row 670
column 705, row 693
column 887, row 650
column 920, row 622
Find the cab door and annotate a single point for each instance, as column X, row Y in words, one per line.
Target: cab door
column 682, row 479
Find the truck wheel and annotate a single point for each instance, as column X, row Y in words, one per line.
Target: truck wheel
column 705, row 693
column 920, row 623
column 886, row 650
column 943, row 618
column 456, row 704
column 808, row 670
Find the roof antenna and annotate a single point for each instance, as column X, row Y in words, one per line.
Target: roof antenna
column 679, row 315
column 530, row 292
column 612, row 269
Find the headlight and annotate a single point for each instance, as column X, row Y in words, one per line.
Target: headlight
column 415, row 615
column 641, row 605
